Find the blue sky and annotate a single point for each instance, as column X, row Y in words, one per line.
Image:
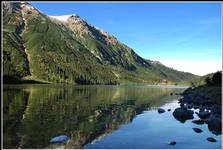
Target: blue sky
column 185, row 36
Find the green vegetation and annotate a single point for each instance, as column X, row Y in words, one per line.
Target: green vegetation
column 35, row 47
column 216, row 79
column 14, row 58
column 201, row 80
column 171, row 74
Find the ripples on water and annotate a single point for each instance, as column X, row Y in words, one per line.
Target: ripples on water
column 97, row 117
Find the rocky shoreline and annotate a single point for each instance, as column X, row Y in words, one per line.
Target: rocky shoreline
column 203, row 106
column 194, row 103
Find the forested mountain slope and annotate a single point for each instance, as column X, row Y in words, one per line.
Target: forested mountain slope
column 43, row 48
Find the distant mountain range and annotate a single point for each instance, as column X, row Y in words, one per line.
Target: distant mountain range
column 68, row 49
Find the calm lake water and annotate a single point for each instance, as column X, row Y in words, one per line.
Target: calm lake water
column 97, row 117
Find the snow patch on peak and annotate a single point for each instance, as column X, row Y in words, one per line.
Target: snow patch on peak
column 62, row 18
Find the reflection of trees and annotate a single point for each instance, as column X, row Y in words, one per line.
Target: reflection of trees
column 14, row 103
column 83, row 113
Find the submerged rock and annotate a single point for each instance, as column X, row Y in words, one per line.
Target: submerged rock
column 183, row 114
column 61, row 138
column 161, row 110
column 211, row 139
column 199, row 121
column 168, row 109
column 197, row 130
column 172, row 143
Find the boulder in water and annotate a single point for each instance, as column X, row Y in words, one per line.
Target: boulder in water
column 197, row 130
column 211, row 139
column 61, row 138
column 161, row 110
column 183, row 114
column 172, row 143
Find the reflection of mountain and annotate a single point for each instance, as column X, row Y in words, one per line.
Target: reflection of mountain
column 83, row 113
column 15, row 101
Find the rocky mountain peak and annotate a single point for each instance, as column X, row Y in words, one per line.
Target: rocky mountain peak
column 75, row 19
column 74, row 16
column 10, row 7
column 77, row 24
column 29, row 9
column 25, row 7
column 153, row 62
column 7, row 6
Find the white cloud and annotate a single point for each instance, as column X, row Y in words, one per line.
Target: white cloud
column 198, row 67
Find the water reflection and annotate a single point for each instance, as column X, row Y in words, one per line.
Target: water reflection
column 33, row 114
